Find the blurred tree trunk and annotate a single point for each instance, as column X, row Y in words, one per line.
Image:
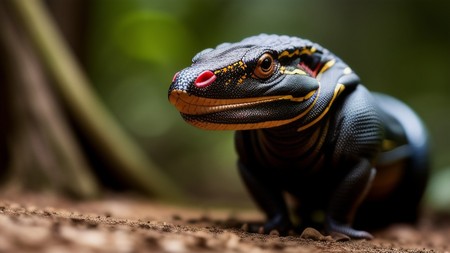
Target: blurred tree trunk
column 72, row 18
column 42, row 149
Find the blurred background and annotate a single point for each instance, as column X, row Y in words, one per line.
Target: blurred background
column 130, row 50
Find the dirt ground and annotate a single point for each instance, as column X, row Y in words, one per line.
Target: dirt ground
column 40, row 223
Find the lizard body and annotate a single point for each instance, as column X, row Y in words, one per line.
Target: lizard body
column 306, row 126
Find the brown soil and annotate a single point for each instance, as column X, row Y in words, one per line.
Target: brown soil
column 121, row 224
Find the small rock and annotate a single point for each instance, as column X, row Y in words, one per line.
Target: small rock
column 339, row 237
column 245, row 227
column 261, row 230
column 313, row 234
column 176, row 217
column 274, row 232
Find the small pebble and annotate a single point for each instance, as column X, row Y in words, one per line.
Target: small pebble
column 339, row 237
column 261, row 230
column 176, row 217
column 274, row 232
column 313, row 234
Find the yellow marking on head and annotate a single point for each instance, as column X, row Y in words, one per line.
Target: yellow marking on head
column 232, row 67
column 241, row 80
column 297, row 52
column 388, row 145
column 338, row 90
column 327, row 66
column 308, row 51
column 288, row 54
column 283, row 70
column 301, row 99
column 347, row 71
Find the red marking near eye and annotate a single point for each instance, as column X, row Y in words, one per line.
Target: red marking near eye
column 311, row 72
column 205, row 79
column 175, row 77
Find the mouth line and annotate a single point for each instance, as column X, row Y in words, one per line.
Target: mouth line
column 193, row 105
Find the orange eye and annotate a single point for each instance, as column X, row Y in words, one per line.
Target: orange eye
column 265, row 66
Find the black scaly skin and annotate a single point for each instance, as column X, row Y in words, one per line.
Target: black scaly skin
column 307, row 127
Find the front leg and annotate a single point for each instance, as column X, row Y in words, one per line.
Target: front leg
column 346, row 199
column 269, row 198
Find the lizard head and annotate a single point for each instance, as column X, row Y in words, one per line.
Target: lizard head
column 263, row 81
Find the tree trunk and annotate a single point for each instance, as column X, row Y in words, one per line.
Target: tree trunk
column 42, row 146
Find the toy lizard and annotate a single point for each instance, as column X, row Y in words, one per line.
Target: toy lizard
column 306, row 126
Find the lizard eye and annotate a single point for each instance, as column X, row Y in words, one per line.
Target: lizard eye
column 265, row 66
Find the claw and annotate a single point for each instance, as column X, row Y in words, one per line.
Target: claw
column 277, row 225
column 333, row 226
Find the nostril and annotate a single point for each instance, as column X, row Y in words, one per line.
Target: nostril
column 205, row 79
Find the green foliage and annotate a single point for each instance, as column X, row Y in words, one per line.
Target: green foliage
column 438, row 191
column 151, row 35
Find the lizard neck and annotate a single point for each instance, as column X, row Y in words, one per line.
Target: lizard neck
column 302, row 141
column 285, row 145
column 328, row 94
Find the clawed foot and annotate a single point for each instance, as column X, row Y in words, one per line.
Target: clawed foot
column 278, row 225
column 282, row 226
column 333, row 226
